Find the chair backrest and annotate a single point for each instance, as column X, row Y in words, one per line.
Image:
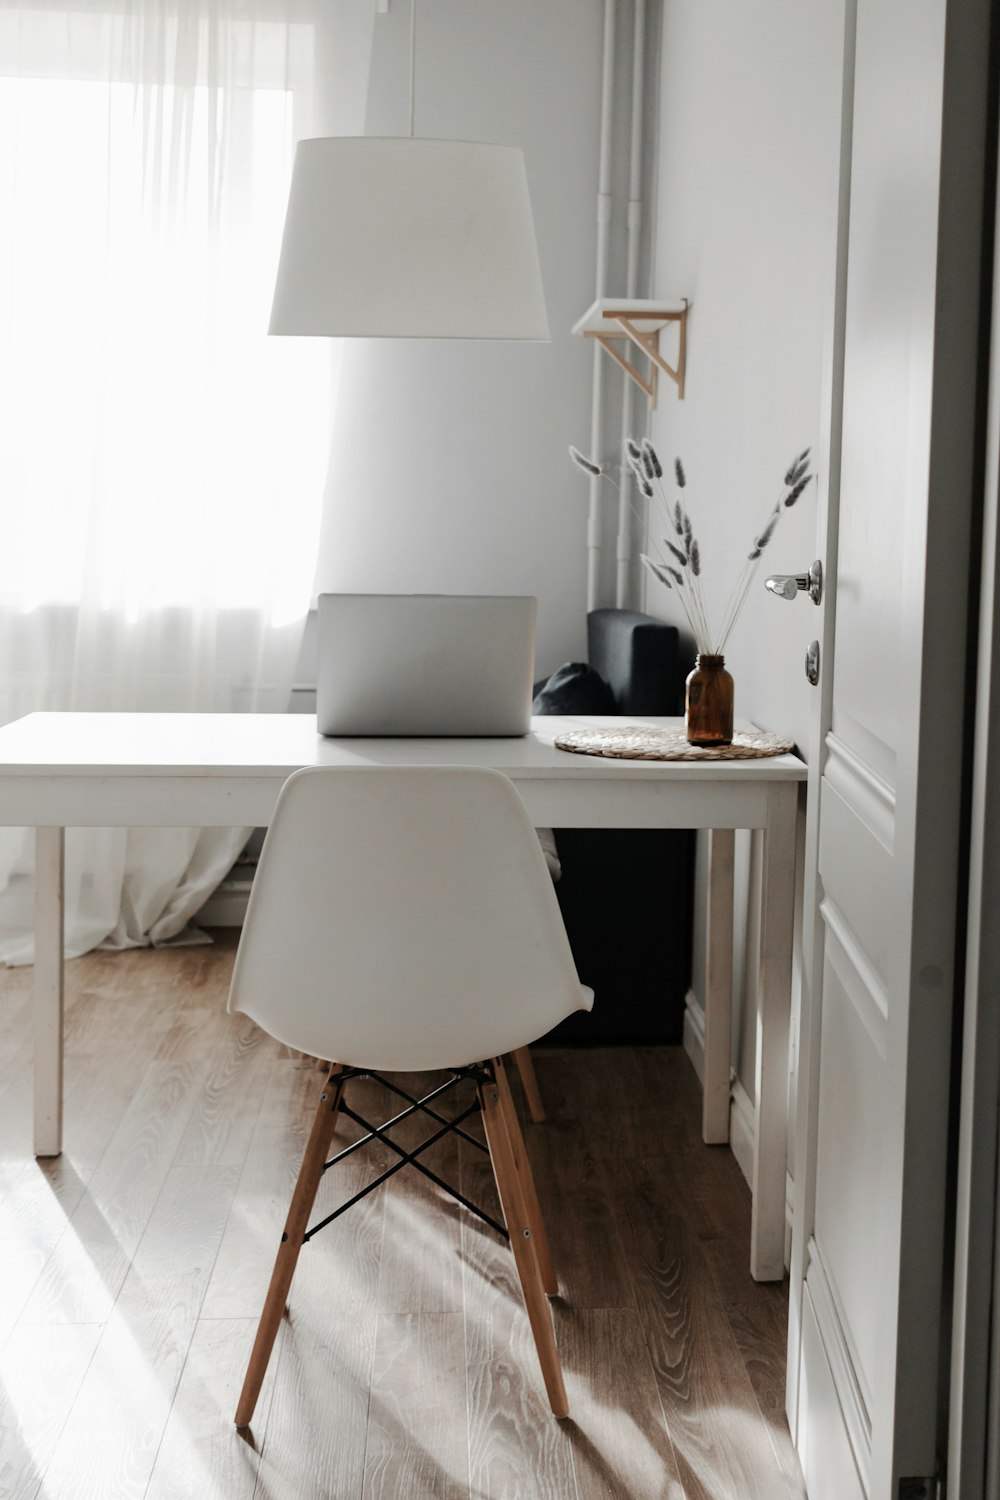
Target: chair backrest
column 403, row 919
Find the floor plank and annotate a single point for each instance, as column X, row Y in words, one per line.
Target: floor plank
column 716, row 1205
column 41, row 1372
column 349, row 1251
column 620, row 1447
column 109, row 1444
column 516, row 1447
column 135, row 1268
column 421, row 1252
column 82, row 1277
column 314, row 1438
column 709, row 1402
column 228, row 1106
column 579, row 1204
column 41, row 1196
column 414, row 1446
column 201, row 1453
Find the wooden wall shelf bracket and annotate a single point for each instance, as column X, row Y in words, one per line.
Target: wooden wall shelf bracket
column 616, row 321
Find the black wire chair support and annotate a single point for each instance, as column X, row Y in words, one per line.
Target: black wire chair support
column 481, row 1075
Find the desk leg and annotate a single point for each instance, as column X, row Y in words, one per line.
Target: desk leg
column 718, row 988
column 777, row 900
column 49, row 868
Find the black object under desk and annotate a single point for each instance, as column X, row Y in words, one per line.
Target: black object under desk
column 625, row 894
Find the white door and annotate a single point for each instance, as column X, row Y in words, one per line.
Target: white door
column 884, row 849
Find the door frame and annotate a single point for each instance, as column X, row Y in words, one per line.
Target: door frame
column 806, row 1111
column 974, row 1397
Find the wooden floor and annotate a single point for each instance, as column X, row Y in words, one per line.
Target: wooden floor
column 133, row 1268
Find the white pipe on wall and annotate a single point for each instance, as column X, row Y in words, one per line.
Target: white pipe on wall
column 626, row 482
column 594, row 542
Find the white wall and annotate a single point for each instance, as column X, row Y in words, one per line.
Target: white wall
column 448, row 469
column 745, row 195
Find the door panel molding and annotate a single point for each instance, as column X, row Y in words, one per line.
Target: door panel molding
column 866, row 746
column 861, row 980
column 849, row 1389
column 850, row 1175
column 857, row 872
column 860, row 785
column 829, row 1466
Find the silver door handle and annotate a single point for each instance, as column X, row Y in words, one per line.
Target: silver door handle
column 787, row 585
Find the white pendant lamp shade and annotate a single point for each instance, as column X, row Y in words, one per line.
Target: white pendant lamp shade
column 401, row 237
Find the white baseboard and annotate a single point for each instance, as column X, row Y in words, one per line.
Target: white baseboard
column 223, row 909
column 740, row 1103
column 741, row 1122
column 694, row 1033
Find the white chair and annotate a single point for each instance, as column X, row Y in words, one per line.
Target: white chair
column 403, row 920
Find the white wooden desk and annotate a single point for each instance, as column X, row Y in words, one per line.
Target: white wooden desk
column 98, row 770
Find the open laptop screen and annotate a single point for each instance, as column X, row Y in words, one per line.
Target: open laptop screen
column 425, row 664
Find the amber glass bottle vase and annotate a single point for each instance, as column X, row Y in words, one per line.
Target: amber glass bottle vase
column 709, row 702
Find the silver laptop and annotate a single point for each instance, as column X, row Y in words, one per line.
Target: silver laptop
column 424, row 664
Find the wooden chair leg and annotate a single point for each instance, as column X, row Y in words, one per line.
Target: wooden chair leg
column 522, row 1166
column 310, row 1172
column 522, row 1243
column 526, row 1068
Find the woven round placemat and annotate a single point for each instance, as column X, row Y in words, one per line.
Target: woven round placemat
column 637, row 742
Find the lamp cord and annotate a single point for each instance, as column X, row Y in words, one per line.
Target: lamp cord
column 413, row 55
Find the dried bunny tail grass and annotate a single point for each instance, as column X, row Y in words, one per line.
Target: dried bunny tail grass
column 672, row 579
column 583, row 462
column 657, row 571
column 689, row 551
column 686, row 551
column 650, row 456
column 637, row 468
column 647, row 471
column 797, row 477
column 760, row 542
column 798, row 467
column 796, row 491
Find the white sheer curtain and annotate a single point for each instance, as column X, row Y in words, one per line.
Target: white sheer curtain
column 161, row 459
